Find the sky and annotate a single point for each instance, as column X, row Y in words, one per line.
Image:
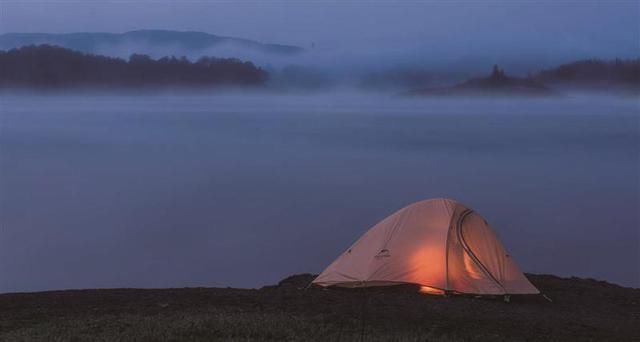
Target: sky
column 459, row 28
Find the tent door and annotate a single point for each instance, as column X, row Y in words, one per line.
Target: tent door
column 469, row 251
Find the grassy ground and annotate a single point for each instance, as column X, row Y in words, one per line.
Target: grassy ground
column 581, row 310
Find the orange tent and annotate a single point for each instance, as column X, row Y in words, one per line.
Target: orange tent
column 438, row 244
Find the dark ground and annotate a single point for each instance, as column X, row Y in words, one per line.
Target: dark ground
column 582, row 309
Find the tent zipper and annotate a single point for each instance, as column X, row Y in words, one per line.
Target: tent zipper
column 467, row 249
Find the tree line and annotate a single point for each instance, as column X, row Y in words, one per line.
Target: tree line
column 595, row 70
column 46, row 66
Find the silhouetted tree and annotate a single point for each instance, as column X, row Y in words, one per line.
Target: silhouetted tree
column 594, row 70
column 46, row 66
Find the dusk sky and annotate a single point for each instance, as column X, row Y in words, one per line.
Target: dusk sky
column 558, row 28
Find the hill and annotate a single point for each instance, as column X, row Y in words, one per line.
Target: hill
column 582, row 310
column 187, row 42
column 49, row 67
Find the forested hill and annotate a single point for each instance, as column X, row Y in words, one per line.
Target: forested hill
column 190, row 43
column 47, row 66
column 584, row 72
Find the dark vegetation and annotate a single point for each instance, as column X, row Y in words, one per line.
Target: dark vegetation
column 582, row 310
column 595, row 71
column 495, row 84
column 621, row 76
column 52, row 67
column 48, row 67
column 499, row 81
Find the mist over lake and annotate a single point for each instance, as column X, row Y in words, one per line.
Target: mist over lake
column 174, row 190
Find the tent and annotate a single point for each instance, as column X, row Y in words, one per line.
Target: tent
column 438, row 244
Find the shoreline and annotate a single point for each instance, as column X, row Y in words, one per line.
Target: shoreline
column 72, row 289
column 581, row 309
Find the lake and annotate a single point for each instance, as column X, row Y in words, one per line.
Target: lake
column 175, row 190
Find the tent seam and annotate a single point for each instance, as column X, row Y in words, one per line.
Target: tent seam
column 446, row 251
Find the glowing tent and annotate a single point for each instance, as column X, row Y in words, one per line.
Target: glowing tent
column 438, row 244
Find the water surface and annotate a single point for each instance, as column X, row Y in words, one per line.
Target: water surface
column 232, row 190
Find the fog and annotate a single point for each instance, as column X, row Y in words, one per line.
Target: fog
column 242, row 190
column 344, row 40
column 440, row 29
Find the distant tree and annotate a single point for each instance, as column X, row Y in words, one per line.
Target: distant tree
column 497, row 74
column 141, row 59
column 46, row 66
column 594, row 70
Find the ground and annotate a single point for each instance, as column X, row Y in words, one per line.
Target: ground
column 582, row 309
